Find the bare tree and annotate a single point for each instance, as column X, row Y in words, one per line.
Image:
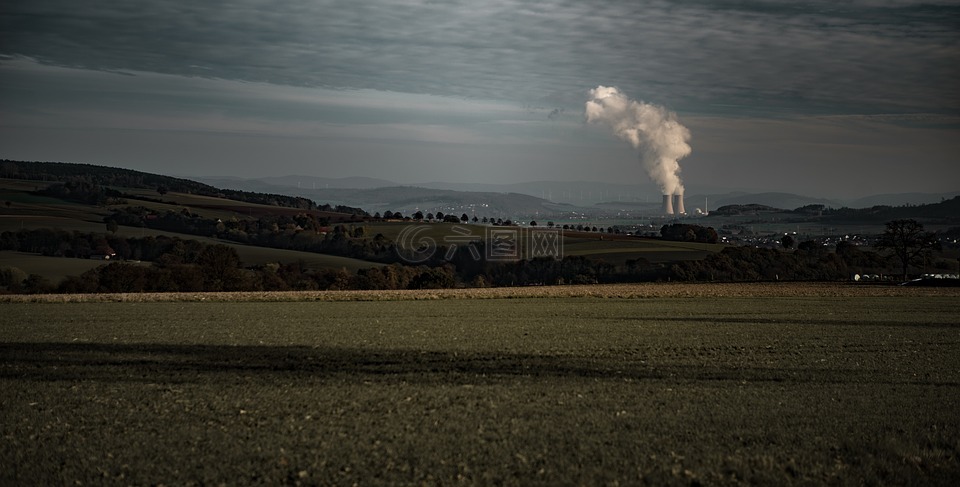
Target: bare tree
column 908, row 242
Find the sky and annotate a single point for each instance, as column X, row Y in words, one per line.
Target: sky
column 820, row 98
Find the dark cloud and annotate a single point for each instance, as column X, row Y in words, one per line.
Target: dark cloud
column 776, row 93
column 749, row 56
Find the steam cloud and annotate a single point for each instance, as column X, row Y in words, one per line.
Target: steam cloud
column 651, row 129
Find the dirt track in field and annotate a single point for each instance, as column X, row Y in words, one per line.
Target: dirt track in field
column 646, row 290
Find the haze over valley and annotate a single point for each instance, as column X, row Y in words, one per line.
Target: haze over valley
column 524, row 199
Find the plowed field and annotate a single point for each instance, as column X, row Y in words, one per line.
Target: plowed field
column 603, row 385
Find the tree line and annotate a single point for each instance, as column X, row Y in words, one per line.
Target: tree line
column 174, row 264
column 170, row 264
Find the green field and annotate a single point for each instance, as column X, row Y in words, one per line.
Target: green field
column 612, row 249
column 54, row 269
column 619, row 251
column 765, row 390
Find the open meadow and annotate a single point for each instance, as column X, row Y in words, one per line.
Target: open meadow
column 595, row 385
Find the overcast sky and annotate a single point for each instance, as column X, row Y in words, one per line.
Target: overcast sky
column 817, row 98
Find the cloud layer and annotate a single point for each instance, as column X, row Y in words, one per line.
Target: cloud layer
column 761, row 56
column 776, row 93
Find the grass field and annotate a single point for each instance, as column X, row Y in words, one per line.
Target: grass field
column 54, row 269
column 604, row 385
column 621, row 250
column 614, row 249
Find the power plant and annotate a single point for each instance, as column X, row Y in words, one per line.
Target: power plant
column 673, row 205
column 653, row 131
column 667, row 205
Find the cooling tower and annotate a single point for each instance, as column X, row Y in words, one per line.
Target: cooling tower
column 667, row 205
column 678, row 204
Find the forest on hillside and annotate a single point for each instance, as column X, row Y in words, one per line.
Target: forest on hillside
column 94, row 184
column 944, row 212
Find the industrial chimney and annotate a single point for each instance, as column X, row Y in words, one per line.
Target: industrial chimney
column 667, row 205
column 678, row 204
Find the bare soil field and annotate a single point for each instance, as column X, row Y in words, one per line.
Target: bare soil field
column 627, row 291
column 673, row 384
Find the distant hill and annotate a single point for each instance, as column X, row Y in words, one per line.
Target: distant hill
column 90, row 174
column 578, row 195
column 901, row 199
column 790, row 201
column 749, row 209
column 313, row 182
column 946, row 211
column 786, row 201
column 943, row 212
column 409, row 199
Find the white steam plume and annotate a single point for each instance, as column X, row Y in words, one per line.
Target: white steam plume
column 650, row 129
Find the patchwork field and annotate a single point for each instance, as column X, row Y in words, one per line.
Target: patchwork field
column 24, row 210
column 601, row 385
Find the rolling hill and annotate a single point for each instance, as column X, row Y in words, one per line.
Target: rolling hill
column 27, row 208
column 409, row 199
column 535, row 199
column 24, row 209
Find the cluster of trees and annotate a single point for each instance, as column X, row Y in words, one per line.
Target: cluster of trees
column 904, row 243
column 420, row 216
column 585, row 228
column 729, row 265
column 440, row 216
column 183, row 221
column 681, row 232
column 166, row 264
column 808, row 263
column 218, row 269
column 84, row 192
column 104, row 176
column 303, row 231
column 61, row 243
column 177, row 264
column 748, row 209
